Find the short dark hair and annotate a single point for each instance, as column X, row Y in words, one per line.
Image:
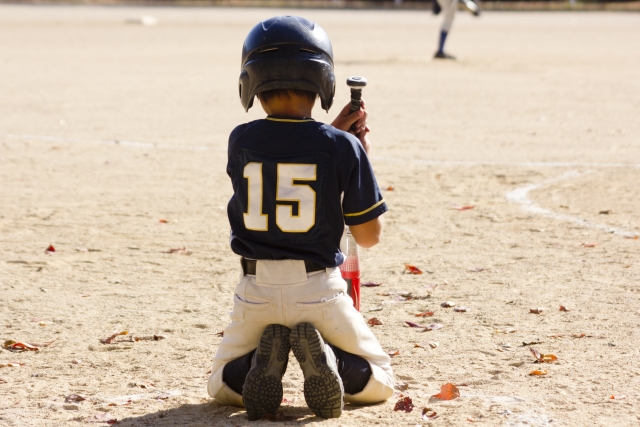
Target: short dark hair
column 268, row 95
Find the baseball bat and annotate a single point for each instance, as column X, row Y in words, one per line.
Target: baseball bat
column 350, row 269
column 356, row 83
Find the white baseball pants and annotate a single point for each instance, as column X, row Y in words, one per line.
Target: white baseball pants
column 449, row 8
column 283, row 293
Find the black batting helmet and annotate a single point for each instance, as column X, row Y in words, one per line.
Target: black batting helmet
column 287, row 52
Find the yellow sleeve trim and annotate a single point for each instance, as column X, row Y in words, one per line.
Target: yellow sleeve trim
column 289, row 120
column 366, row 210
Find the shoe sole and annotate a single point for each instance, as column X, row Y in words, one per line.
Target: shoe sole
column 262, row 392
column 323, row 390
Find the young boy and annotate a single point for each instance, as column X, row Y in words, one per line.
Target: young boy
column 296, row 184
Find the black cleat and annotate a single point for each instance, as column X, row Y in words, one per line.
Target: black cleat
column 262, row 391
column 442, row 55
column 323, row 389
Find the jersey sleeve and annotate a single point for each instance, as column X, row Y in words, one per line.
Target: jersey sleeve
column 362, row 201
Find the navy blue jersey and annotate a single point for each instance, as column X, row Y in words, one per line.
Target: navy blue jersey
column 296, row 184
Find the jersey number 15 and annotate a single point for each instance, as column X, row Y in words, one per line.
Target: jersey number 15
column 287, row 190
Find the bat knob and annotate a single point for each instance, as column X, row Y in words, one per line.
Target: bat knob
column 356, row 82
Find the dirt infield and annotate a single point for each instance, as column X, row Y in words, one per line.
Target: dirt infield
column 108, row 127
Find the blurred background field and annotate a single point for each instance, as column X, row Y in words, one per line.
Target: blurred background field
column 113, row 138
column 618, row 5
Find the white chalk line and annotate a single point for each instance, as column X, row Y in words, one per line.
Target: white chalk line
column 521, row 164
column 521, row 196
column 117, row 142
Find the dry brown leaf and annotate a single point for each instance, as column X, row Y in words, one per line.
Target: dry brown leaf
column 102, row 417
column 582, row 336
column 11, row 364
column 537, row 310
column 432, row 344
column 389, row 188
column 411, row 269
column 535, row 353
column 121, row 403
column 447, row 392
column 404, row 404
column 371, row 285
column 50, row 249
column 563, row 308
column 425, row 314
column 150, row 338
column 448, row 304
column 433, row 327
column 589, row 245
column 43, row 343
column 374, row 321
column 414, row 325
column 163, row 221
column 220, row 333
column 460, row 309
column 404, row 294
column 165, row 396
column 402, row 386
column 538, row 372
column 393, row 353
column 12, row 345
column 179, row 251
column 617, row 397
column 636, row 237
column 462, row 208
column 429, row 414
column 113, row 336
column 542, row 358
column 556, row 336
column 74, row 398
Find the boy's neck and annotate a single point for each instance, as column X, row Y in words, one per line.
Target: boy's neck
column 287, row 108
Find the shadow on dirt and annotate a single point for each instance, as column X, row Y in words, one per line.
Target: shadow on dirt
column 213, row 414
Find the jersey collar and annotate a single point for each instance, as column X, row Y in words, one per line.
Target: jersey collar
column 289, row 119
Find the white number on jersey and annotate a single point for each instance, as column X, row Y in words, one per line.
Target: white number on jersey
column 287, row 191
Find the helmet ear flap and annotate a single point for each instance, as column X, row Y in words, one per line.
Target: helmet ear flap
column 328, row 101
column 243, row 87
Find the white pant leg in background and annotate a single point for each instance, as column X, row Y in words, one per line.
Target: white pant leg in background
column 449, row 8
column 281, row 292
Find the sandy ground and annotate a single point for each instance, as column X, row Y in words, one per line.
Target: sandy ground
column 106, row 128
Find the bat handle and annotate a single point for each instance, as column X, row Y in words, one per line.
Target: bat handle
column 356, row 96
